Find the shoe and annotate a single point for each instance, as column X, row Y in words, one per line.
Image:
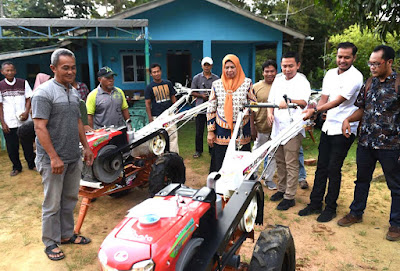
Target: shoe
column 270, row 185
column 326, row 216
column 393, row 233
column 197, row 154
column 303, row 184
column 309, row 211
column 15, row 172
column 349, row 220
column 34, row 169
column 277, row 196
column 285, row 204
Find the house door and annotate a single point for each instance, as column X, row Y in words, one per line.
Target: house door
column 179, row 68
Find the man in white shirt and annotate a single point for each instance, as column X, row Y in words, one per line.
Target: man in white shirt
column 15, row 104
column 297, row 89
column 340, row 88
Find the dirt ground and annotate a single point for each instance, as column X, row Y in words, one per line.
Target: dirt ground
column 318, row 246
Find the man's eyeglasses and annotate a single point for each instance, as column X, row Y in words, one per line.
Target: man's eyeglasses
column 374, row 64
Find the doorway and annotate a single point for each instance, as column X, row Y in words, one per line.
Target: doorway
column 179, row 67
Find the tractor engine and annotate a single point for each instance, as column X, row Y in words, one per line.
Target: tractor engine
column 111, row 148
column 159, row 233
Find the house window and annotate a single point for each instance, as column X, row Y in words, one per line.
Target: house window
column 133, row 66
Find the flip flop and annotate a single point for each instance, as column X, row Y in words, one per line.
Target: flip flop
column 53, row 255
column 83, row 241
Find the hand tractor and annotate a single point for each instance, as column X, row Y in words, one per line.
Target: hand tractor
column 125, row 159
column 188, row 229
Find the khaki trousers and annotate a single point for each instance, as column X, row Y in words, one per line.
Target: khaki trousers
column 173, row 139
column 287, row 162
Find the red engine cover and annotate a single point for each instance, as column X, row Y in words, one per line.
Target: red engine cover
column 161, row 241
column 100, row 137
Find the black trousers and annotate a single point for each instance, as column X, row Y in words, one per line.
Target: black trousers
column 332, row 152
column 12, row 143
column 218, row 154
column 366, row 162
column 201, row 121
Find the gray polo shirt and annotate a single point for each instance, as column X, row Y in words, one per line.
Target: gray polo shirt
column 106, row 108
column 202, row 82
column 60, row 106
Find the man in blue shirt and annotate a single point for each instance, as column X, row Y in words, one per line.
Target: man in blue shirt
column 160, row 95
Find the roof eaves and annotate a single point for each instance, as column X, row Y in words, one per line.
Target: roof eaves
column 29, row 52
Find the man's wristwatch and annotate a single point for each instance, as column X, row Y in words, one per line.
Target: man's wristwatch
column 315, row 111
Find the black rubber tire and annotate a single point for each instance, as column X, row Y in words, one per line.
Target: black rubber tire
column 274, row 250
column 168, row 168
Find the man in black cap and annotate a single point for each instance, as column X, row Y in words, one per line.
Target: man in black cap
column 106, row 105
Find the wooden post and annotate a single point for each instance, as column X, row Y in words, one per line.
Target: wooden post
column 82, row 213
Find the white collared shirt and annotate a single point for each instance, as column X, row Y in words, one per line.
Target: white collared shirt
column 347, row 85
column 14, row 105
column 297, row 88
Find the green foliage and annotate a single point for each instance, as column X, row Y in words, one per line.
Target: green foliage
column 366, row 41
column 382, row 16
column 261, row 57
column 315, row 77
column 34, row 9
column 314, row 20
column 113, row 7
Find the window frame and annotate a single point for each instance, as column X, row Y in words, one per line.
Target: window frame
column 135, row 69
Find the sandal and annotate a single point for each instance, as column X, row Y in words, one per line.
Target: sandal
column 83, row 241
column 53, row 255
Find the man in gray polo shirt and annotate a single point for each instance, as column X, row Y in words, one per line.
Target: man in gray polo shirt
column 58, row 126
column 106, row 105
column 202, row 80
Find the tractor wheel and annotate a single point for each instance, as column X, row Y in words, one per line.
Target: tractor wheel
column 274, row 250
column 168, row 168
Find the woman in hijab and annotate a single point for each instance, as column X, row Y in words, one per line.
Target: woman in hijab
column 228, row 95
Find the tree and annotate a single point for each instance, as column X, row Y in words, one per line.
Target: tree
column 113, row 7
column 313, row 20
column 365, row 40
column 383, row 16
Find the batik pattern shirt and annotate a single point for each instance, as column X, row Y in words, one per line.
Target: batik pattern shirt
column 380, row 125
column 215, row 112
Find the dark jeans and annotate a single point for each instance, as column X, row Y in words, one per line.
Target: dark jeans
column 12, row 143
column 218, row 154
column 201, row 121
column 366, row 161
column 332, row 152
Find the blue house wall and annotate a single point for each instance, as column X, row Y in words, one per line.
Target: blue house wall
column 200, row 29
column 195, row 28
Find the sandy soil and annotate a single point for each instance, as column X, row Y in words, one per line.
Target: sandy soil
column 318, row 246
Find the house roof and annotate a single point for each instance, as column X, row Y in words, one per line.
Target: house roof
column 29, row 52
column 229, row 6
